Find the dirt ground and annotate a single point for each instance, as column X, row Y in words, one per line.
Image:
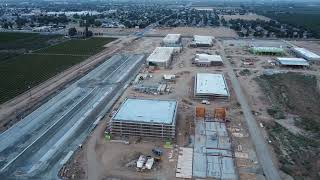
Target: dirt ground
column 189, row 31
column 99, row 159
column 260, row 102
column 248, row 17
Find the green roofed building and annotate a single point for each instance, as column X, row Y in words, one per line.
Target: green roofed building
column 274, row 51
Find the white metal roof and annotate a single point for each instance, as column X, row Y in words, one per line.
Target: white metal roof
column 306, row 53
column 211, row 84
column 161, row 54
column 293, row 61
column 208, row 58
column 172, row 38
column 169, row 76
column 202, row 39
column 147, row 110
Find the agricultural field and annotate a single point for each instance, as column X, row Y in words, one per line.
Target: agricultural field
column 78, row 47
column 6, row 37
column 295, row 133
column 29, row 70
column 26, row 41
column 21, row 70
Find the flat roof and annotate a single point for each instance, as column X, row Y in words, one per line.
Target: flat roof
column 267, row 49
column 208, row 58
column 161, row 54
column 202, row 39
column 211, row 84
column 293, row 61
column 306, row 52
column 172, row 38
column 147, row 111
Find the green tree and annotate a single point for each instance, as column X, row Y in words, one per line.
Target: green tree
column 72, row 31
column 76, row 16
column 97, row 23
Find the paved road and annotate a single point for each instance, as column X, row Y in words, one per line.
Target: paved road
column 259, row 142
column 36, row 146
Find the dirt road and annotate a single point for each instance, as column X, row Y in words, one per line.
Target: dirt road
column 263, row 154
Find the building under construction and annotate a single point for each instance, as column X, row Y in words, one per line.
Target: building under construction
column 145, row 118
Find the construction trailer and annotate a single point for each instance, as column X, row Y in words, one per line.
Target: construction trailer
column 145, row 118
column 306, row 54
column 202, row 41
column 172, row 40
column 208, row 86
column 161, row 57
column 293, row 62
column 271, row 51
column 208, row 60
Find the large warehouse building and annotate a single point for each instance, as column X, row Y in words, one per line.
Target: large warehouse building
column 145, row 118
column 210, row 86
column 202, row 41
column 306, row 54
column 161, row 57
column 273, row 51
column 208, row 60
column 293, row 62
column 172, row 40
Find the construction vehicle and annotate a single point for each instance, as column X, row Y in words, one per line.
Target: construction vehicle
column 157, row 154
column 157, row 151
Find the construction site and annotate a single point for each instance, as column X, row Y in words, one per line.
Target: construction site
column 180, row 106
column 172, row 124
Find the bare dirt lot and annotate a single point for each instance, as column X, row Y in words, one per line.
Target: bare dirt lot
column 189, row 31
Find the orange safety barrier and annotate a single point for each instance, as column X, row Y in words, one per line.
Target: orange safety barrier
column 200, row 112
column 220, row 113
